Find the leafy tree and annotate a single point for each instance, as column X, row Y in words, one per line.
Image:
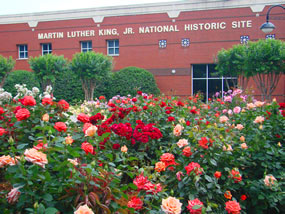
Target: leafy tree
column 92, row 68
column 231, row 63
column 6, row 66
column 262, row 60
column 47, row 68
column 131, row 79
column 265, row 62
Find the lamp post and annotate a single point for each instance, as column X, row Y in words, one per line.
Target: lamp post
column 267, row 27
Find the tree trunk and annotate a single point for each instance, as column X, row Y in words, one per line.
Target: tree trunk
column 88, row 86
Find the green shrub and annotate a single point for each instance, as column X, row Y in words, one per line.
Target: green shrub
column 131, row 79
column 68, row 87
column 20, row 77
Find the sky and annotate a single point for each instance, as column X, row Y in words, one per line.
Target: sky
column 32, row 6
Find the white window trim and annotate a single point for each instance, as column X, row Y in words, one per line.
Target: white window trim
column 113, row 47
column 25, row 51
column 88, row 48
column 49, row 51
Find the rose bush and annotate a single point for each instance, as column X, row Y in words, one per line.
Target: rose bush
column 142, row 154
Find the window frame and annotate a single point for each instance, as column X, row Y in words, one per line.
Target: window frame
column 49, row 49
column 114, row 47
column 207, row 78
column 88, row 44
column 25, row 51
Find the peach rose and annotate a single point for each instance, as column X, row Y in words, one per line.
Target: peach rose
column 239, row 127
column 171, row 205
column 68, row 140
column 45, row 118
column 224, row 119
column 182, row 142
column 269, row 180
column 13, row 195
column 259, row 119
column 178, row 130
column 124, row 149
column 242, row 138
column 36, row 157
column 250, row 106
column 259, row 103
column 84, row 210
column 91, row 131
column 6, row 160
column 227, row 148
column 73, row 161
column 244, row 146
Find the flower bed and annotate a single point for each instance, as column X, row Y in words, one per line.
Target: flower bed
column 141, row 154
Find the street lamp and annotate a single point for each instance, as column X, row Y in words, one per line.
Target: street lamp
column 267, row 27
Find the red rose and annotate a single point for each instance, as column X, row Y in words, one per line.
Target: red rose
column 63, row 104
column 193, row 167
column 116, row 146
column 22, row 114
column 28, row 101
column 102, row 98
column 1, row 110
column 47, row 101
column 135, row 203
column 233, row 207
column 187, row 151
column 243, row 197
column 140, row 181
column 188, row 123
column 2, row 131
column 88, row 148
column 134, row 99
column 168, row 159
column 139, row 92
column 60, row 126
column 145, row 108
column 83, row 118
column 218, row 174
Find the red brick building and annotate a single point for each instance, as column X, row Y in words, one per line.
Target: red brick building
column 176, row 41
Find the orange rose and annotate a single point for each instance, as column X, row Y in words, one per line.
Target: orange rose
column 160, row 166
column 171, row 205
column 45, row 117
column 36, row 157
column 228, row 195
column 84, row 210
column 68, row 140
column 124, row 149
column 244, row 146
column 91, row 131
column 6, row 160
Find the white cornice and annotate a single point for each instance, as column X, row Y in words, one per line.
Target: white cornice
column 173, row 9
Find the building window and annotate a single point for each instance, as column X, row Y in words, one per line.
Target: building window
column 162, row 43
column 86, row 46
column 206, row 81
column 185, row 42
column 113, row 47
column 46, row 48
column 270, row 36
column 244, row 39
column 23, row 51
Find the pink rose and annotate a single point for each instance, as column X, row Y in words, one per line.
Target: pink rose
column 13, row 195
column 88, row 148
column 2, row 131
column 28, row 101
column 237, row 109
column 171, row 205
column 259, row 119
column 192, row 203
column 84, row 210
column 60, row 126
column 182, row 142
column 224, row 119
column 36, row 157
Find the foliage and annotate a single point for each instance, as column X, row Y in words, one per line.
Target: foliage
column 262, row 60
column 68, row 87
column 132, row 154
column 47, row 68
column 6, row 66
column 91, row 68
column 131, row 79
column 20, row 77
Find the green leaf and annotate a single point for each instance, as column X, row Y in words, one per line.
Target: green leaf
column 134, row 187
column 196, row 207
column 213, row 162
column 208, row 178
column 51, row 210
column 47, row 197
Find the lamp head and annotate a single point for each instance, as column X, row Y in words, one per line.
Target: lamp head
column 267, row 27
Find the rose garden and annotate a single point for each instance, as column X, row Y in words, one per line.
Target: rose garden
column 141, row 151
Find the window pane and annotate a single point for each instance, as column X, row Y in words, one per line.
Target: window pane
column 199, row 86
column 21, row 48
column 212, row 72
column 111, row 43
column 111, row 51
column 214, row 86
column 229, row 84
column 117, row 51
column 84, row 45
column 199, row 71
column 117, row 43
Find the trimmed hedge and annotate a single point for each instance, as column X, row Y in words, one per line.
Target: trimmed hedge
column 131, row 79
column 20, row 77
